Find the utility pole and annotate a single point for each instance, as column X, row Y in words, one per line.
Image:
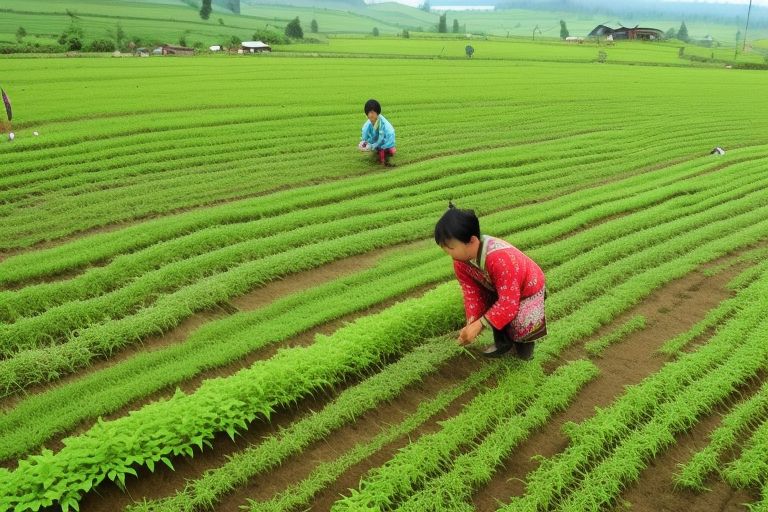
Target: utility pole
column 536, row 29
column 744, row 48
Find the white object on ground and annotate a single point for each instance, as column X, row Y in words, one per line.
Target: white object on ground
column 11, row 136
column 364, row 146
column 35, row 134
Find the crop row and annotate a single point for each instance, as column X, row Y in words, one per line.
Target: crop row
column 437, row 479
column 370, row 284
column 175, row 426
column 215, row 344
column 35, row 325
column 667, row 396
column 741, row 419
column 169, row 129
column 103, row 339
column 96, row 281
column 596, row 347
column 745, row 284
column 43, row 295
column 67, row 168
column 302, row 493
column 637, row 401
column 453, row 489
column 267, row 258
column 203, row 186
column 186, row 363
column 419, row 461
column 429, row 306
column 602, row 485
column 207, row 490
column 227, row 177
column 99, row 247
column 751, row 467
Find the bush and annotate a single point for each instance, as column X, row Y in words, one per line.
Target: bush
column 750, row 65
column 73, row 44
column 269, row 37
column 6, row 49
column 101, row 45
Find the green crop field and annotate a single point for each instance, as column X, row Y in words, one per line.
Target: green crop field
column 210, row 299
column 518, row 49
column 154, row 21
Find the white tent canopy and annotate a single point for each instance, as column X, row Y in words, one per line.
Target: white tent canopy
column 254, row 44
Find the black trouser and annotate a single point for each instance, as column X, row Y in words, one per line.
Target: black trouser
column 524, row 350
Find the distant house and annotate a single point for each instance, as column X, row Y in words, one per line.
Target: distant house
column 573, row 39
column 215, row 48
column 168, row 49
column 254, row 47
column 141, row 52
column 647, row 34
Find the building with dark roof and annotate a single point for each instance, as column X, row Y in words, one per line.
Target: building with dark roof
column 642, row 33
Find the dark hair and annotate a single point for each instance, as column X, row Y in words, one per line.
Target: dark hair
column 457, row 224
column 372, row 105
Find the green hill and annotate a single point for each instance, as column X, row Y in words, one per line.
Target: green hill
column 148, row 22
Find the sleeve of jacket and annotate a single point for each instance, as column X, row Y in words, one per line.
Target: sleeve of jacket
column 476, row 300
column 506, row 278
column 367, row 133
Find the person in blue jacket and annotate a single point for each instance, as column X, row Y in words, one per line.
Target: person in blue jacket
column 378, row 133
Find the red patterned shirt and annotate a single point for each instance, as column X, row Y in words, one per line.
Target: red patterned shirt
column 495, row 287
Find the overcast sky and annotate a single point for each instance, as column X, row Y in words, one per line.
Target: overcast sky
column 437, row 2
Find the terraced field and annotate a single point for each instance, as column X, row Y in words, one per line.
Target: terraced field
column 209, row 299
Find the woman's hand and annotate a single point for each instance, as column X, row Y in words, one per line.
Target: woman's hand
column 468, row 334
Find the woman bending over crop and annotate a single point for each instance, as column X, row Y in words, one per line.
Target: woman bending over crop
column 504, row 290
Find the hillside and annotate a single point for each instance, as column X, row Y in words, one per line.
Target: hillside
column 148, row 22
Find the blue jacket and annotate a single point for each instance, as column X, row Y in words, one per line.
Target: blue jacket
column 381, row 135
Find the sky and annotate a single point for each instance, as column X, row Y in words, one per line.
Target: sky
column 415, row 3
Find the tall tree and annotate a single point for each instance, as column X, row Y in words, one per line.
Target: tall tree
column 563, row 30
column 206, row 9
column 442, row 26
column 119, row 34
column 455, row 26
column 293, row 29
column 313, row 27
column 682, row 34
column 425, row 7
column 21, row 33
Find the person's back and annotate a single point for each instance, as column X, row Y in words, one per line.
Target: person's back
column 499, row 256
